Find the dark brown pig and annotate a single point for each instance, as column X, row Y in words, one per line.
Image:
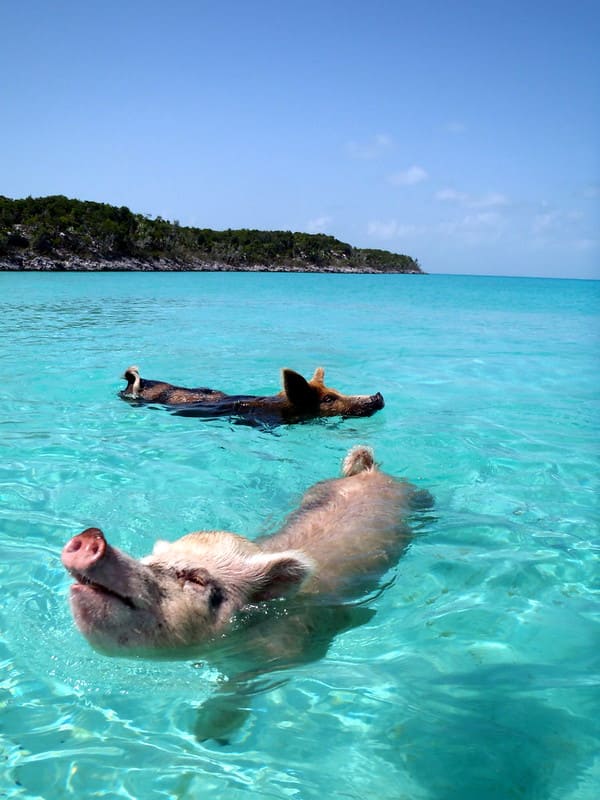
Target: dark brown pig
column 203, row 587
column 138, row 389
column 299, row 399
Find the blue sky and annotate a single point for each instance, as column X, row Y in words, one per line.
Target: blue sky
column 465, row 134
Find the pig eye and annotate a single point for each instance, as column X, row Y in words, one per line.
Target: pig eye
column 216, row 597
column 202, row 579
column 328, row 398
column 191, row 576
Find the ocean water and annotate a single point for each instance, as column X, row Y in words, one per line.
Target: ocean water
column 477, row 675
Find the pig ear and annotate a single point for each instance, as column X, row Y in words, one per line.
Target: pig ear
column 319, row 376
column 160, row 546
column 298, row 390
column 279, row 574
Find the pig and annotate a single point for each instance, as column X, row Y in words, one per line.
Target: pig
column 194, row 593
column 139, row 388
column 299, row 400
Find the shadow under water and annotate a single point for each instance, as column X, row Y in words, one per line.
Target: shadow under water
column 268, row 640
column 488, row 740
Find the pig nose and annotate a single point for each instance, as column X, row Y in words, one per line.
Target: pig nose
column 84, row 550
column 378, row 398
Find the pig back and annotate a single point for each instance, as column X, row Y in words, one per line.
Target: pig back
column 353, row 530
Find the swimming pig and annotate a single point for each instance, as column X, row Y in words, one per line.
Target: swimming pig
column 139, row 388
column 199, row 589
column 299, row 400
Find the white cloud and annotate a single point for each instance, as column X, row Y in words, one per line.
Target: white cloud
column 557, row 223
column 382, row 230
column 409, row 177
column 544, row 222
column 454, row 126
column 318, row 225
column 483, row 219
column 481, row 227
column 585, row 244
column 451, row 195
column 374, row 148
column 592, row 191
column 489, row 200
column 393, row 229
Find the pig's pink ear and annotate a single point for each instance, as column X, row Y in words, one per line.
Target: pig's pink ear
column 298, row 390
column 279, row 574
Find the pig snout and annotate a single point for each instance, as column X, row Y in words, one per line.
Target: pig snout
column 369, row 404
column 84, row 551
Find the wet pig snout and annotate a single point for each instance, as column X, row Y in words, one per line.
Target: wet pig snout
column 378, row 400
column 84, row 550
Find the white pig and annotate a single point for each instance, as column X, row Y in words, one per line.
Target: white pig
column 192, row 592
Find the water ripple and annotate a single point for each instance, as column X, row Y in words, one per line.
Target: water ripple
column 477, row 675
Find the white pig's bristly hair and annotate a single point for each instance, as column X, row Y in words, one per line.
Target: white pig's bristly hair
column 358, row 459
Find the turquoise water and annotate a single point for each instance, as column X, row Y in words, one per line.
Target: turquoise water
column 478, row 675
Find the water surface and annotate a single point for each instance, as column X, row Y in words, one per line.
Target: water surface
column 477, row 677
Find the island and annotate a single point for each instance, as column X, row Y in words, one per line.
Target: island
column 60, row 234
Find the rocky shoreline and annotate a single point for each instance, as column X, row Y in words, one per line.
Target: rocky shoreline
column 71, row 263
column 58, row 234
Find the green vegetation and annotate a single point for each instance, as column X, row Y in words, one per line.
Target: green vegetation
column 60, row 232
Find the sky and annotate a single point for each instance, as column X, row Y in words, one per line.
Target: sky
column 464, row 134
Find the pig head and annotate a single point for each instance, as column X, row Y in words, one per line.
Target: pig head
column 314, row 399
column 185, row 593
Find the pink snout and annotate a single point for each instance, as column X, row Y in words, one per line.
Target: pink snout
column 84, row 550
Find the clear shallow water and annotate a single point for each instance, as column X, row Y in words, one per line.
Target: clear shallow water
column 478, row 675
